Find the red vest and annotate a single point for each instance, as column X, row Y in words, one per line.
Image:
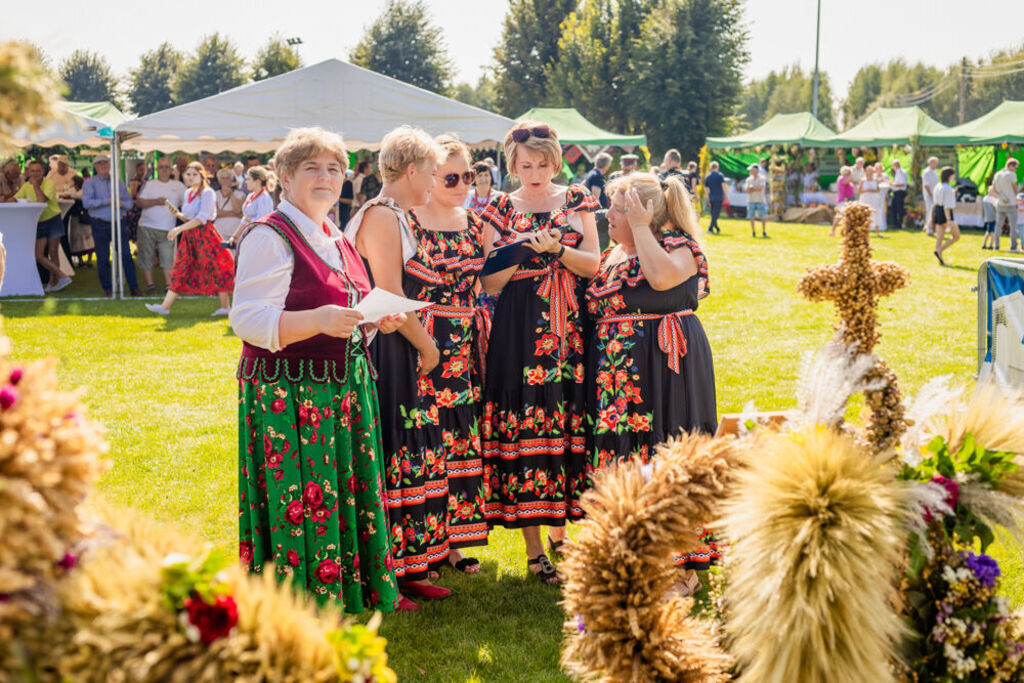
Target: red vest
column 313, row 284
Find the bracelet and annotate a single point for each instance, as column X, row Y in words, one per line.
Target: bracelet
column 560, row 252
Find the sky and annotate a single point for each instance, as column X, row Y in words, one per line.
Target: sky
column 937, row 32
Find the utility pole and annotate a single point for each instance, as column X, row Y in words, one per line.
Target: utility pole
column 963, row 89
column 817, row 45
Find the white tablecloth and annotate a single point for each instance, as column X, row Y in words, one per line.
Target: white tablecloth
column 18, row 226
column 737, row 198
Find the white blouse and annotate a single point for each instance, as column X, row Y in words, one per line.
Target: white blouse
column 257, row 205
column 263, row 275
column 202, row 206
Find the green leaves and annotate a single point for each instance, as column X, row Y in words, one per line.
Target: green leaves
column 184, row 575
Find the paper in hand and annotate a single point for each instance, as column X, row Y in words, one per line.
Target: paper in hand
column 380, row 303
column 507, row 256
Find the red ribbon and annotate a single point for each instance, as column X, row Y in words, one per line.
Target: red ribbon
column 672, row 340
column 559, row 286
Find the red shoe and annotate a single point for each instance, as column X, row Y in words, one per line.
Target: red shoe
column 426, row 591
column 406, row 605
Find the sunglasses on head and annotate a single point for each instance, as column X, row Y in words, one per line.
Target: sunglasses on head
column 452, row 179
column 523, row 134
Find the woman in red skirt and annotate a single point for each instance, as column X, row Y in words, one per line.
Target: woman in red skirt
column 201, row 265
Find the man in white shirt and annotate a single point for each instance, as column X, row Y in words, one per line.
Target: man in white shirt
column 156, row 221
column 1004, row 187
column 756, row 187
column 929, row 179
column 897, row 210
column 857, row 172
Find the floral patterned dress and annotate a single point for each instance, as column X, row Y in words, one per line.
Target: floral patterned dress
column 310, row 487
column 650, row 372
column 416, row 472
column 201, row 265
column 533, row 426
column 444, row 271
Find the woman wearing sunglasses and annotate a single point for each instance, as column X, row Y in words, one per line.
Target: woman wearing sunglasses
column 413, row 452
column 444, row 271
column 534, row 414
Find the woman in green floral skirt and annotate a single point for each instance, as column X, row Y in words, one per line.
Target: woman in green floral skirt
column 311, row 499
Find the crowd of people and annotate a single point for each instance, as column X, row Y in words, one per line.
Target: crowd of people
column 371, row 456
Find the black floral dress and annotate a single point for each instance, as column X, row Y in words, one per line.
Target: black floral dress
column 650, row 372
column 415, row 472
column 535, row 464
column 444, row 272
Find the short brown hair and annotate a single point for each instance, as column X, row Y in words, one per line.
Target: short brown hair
column 548, row 146
column 407, row 145
column 306, row 143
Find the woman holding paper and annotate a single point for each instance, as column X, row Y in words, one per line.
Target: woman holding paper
column 444, row 272
column 650, row 373
column 533, row 426
column 310, row 499
column 413, row 451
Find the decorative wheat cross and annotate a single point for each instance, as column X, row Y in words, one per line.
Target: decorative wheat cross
column 855, row 285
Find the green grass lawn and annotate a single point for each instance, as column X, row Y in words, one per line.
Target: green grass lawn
column 165, row 390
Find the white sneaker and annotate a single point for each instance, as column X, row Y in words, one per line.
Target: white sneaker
column 220, row 312
column 61, row 284
column 158, row 309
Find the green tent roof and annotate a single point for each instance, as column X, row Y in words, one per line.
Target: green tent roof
column 888, row 126
column 573, row 129
column 781, row 129
column 100, row 111
column 1005, row 123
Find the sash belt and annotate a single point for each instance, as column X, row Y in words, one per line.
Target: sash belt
column 671, row 339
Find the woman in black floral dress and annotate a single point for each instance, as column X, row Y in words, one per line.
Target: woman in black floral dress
column 650, row 371
column 414, row 455
column 533, row 431
column 444, row 271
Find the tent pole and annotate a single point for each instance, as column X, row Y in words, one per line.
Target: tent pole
column 115, row 216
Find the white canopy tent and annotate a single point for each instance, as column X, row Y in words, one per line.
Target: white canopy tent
column 360, row 104
column 83, row 124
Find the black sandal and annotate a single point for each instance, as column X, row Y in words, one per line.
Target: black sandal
column 464, row 564
column 547, row 574
column 556, row 547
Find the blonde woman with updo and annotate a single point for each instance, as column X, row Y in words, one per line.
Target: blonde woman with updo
column 310, row 500
column 533, row 430
column 650, row 373
column 445, row 272
column 413, row 455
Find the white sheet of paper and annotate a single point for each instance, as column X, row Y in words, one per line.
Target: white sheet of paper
column 380, row 303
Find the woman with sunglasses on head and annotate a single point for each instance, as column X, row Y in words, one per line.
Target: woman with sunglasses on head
column 413, row 458
column 533, row 425
column 444, row 271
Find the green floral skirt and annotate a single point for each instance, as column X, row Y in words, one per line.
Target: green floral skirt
column 310, row 491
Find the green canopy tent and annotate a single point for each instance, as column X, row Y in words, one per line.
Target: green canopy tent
column 888, row 126
column 574, row 129
column 782, row 129
column 983, row 139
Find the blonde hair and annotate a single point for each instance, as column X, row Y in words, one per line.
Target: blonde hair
column 671, row 200
column 407, row 145
column 452, row 146
column 306, row 143
column 548, row 146
column 225, row 173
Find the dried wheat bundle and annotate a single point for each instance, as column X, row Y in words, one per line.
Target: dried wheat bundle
column 620, row 625
column 114, row 625
column 51, row 454
column 29, row 94
column 815, row 532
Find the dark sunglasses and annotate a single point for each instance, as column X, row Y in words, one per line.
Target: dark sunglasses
column 452, row 179
column 523, row 134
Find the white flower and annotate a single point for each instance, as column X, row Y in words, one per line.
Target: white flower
column 176, row 558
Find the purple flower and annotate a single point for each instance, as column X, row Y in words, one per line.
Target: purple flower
column 8, row 395
column 985, row 569
column 580, row 626
column 16, row 375
column 952, row 494
column 67, row 562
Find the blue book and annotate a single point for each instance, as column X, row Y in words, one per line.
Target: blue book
column 506, row 257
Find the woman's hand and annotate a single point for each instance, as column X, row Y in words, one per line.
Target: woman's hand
column 338, row 321
column 173, row 232
column 638, row 216
column 545, row 241
column 429, row 359
column 390, row 323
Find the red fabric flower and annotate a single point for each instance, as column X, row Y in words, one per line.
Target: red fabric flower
column 536, row 375
column 213, row 621
column 277, row 406
column 294, row 512
column 293, row 558
column 313, row 495
column 245, row 551
column 327, row 571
